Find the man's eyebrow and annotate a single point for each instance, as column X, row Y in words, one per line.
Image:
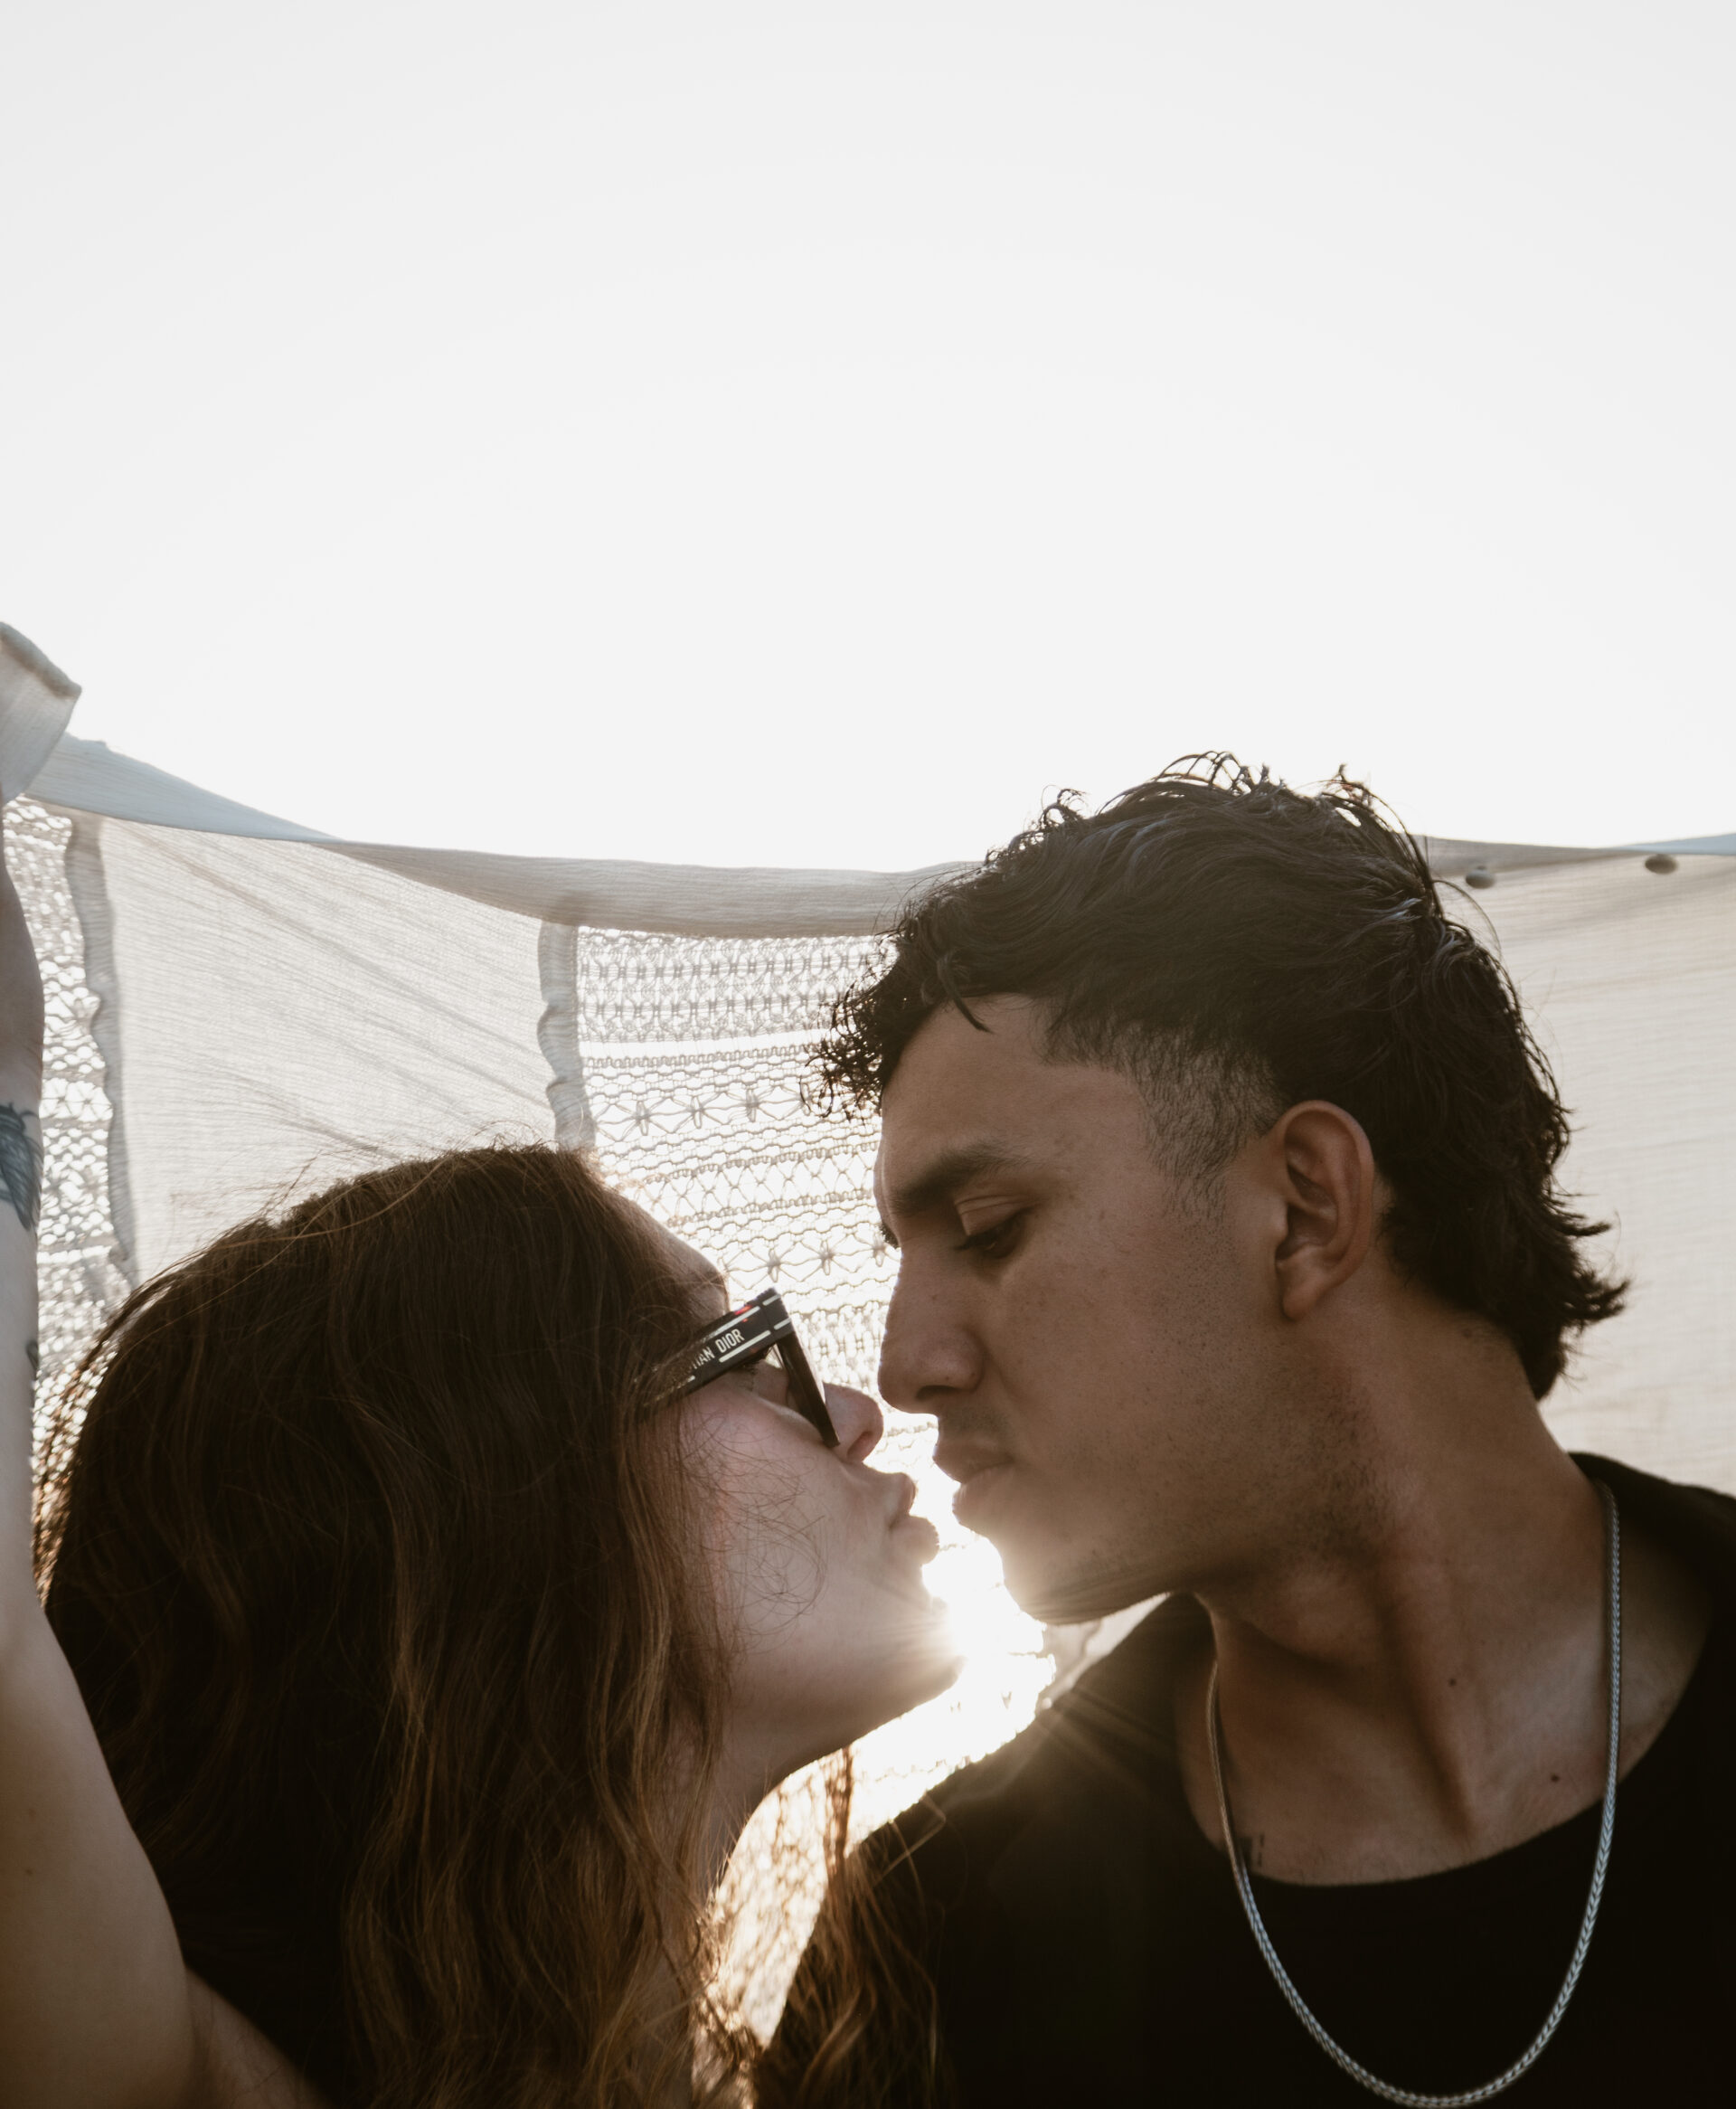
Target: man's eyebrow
column 940, row 1179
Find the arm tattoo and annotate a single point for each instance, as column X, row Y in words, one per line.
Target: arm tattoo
column 21, row 1163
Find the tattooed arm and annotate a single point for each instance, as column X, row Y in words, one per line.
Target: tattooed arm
column 21, row 1188
column 95, row 2006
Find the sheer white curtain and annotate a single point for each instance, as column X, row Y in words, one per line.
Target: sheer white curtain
column 240, row 1008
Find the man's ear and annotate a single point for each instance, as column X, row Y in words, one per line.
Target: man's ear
column 1331, row 1197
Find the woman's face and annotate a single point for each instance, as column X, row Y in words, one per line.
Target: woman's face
column 820, row 1565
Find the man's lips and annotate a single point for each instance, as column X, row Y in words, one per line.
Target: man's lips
column 979, row 1468
column 964, row 1458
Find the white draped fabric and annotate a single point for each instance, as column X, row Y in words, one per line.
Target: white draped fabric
column 241, row 1008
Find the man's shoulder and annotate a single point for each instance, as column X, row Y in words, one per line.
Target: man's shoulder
column 1698, row 1524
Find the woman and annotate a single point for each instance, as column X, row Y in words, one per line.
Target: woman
column 432, row 1637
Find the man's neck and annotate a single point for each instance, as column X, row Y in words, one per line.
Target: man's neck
column 1429, row 1686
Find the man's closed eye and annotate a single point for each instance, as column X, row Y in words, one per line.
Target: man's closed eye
column 996, row 1240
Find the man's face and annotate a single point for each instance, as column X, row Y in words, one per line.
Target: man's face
column 1096, row 1339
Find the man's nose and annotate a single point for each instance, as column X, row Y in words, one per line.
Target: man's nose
column 927, row 1356
column 859, row 1421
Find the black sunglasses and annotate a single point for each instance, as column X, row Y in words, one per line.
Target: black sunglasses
column 748, row 1334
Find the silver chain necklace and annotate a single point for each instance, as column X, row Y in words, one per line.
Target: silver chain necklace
column 1299, row 2006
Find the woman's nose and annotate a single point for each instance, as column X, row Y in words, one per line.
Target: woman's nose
column 858, row 1420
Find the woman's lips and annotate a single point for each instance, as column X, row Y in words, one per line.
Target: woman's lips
column 921, row 1535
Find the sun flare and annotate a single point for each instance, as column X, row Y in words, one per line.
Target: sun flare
column 1004, row 1669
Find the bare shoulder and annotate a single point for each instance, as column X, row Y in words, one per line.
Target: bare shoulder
column 237, row 2067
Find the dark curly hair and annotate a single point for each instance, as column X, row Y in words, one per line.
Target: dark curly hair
column 1237, row 947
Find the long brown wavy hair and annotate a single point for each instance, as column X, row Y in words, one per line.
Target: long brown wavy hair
column 861, row 2026
column 373, row 1559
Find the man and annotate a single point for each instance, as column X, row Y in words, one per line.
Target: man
column 1220, row 1167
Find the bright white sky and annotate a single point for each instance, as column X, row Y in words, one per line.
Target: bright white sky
column 803, row 433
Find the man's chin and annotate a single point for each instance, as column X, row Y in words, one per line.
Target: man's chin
column 1066, row 1599
column 1049, row 1579
column 1062, row 1591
